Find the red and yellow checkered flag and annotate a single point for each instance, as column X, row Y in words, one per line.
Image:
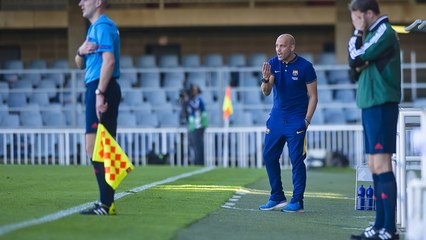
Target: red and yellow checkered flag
column 115, row 160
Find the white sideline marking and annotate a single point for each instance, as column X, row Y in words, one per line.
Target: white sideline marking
column 64, row 213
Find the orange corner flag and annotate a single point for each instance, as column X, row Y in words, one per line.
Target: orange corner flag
column 116, row 162
column 227, row 104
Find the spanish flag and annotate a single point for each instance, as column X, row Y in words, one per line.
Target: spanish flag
column 227, row 104
column 115, row 160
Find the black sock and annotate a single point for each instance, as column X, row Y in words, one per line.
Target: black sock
column 388, row 187
column 105, row 190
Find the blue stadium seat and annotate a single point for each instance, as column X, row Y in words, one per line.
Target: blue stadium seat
column 257, row 60
column 338, row 77
column 353, row 115
column 31, row 119
column 321, row 78
column 215, row 116
column 213, row 60
column 126, row 120
column 126, row 61
column 17, row 100
column 168, row 119
column 174, row 79
column 40, row 98
column 10, row 121
column 249, row 80
column 156, row 98
column 191, row 60
column 334, row 116
column 252, row 96
column 327, row 58
column 150, row 80
column 146, row 61
column 48, row 86
column 345, row 95
column 237, row 60
column 59, row 78
column 197, row 78
column 132, row 77
column 325, row 96
column 54, row 119
column 169, row 60
column 318, row 117
column 24, row 86
column 243, row 119
column 13, row 65
column 133, row 98
column 148, row 121
column 4, row 91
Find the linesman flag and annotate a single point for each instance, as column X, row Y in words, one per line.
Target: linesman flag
column 227, row 104
column 116, row 162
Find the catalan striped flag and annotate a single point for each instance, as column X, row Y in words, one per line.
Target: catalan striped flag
column 227, row 104
column 108, row 151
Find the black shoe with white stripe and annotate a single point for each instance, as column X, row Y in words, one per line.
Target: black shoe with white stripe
column 383, row 234
column 100, row 209
column 367, row 234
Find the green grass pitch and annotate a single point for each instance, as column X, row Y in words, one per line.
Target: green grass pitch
column 189, row 208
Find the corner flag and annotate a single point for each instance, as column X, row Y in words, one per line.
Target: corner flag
column 227, row 104
column 116, row 162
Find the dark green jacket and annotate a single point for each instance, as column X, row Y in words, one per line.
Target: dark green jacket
column 378, row 64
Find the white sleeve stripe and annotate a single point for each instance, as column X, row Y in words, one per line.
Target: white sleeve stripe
column 357, row 52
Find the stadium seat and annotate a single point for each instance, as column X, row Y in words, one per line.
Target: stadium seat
column 126, row 61
column 213, row 60
column 268, row 100
column 338, row 77
column 150, row 80
column 10, row 121
column 31, row 119
column 142, row 109
column 191, row 60
column 40, row 98
column 215, row 116
column 257, row 60
column 174, row 78
column 345, row 95
column 55, row 119
column 4, row 91
column 146, row 61
column 252, row 96
column 24, row 86
column 48, row 86
column 334, row 116
column 148, row 121
column 207, row 97
column 133, row 98
column 197, row 78
column 321, row 78
column 132, row 77
column 318, row 117
column 249, row 80
column 17, row 100
column 168, row 119
column 243, row 119
column 4, row 110
column 12, row 65
column 325, row 96
column 126, row 120
column 59, row 78
column 168, row 60
column 327, row 58
column 352, row 115
column 237, row 60
column 259, row 116
column 36, row 64
column 156, row 98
